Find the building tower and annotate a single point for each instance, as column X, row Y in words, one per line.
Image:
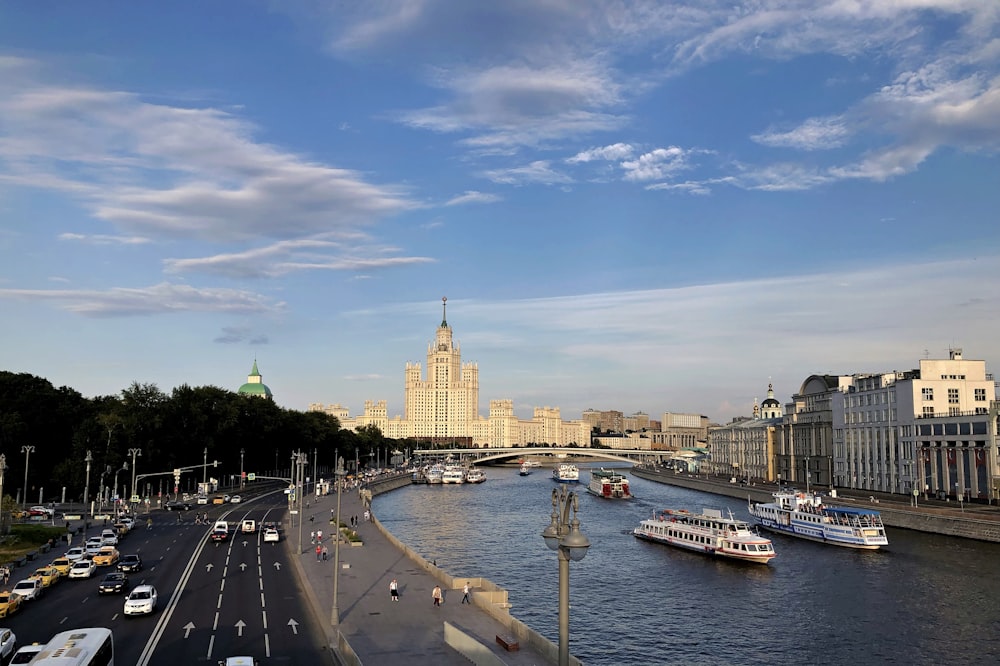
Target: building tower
column 255, row 385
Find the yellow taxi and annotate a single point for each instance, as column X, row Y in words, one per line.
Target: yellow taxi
column 47, row 575
column 106, row 556
column 9, row 603
column 62, row 565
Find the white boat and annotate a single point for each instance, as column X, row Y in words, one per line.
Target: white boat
column 532, row 463
column 453, row 474
column 709, row 533
column 609, row 483
column 805, row 515
column 435, row 474
column 475, row 475
column 525, row 469
column 566, row 473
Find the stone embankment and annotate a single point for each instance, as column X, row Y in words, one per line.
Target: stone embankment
column 970, row 521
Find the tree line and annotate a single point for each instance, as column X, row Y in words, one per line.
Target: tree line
column 164, row 431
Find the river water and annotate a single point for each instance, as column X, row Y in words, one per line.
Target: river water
column 926, row 599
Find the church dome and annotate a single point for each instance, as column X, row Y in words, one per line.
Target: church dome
column 255, row 385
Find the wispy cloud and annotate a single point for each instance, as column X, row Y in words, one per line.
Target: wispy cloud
column 473, row 197
column 104, row 239
column 813, row 134
column 540, row 172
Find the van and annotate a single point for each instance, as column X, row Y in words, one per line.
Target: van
column 249, row 526
column 221, row 525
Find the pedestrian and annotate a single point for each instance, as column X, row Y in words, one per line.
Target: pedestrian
column 326, row 553
column 312, row 537
column 319, row 536
column 436, row 595
column 319, row 552
column 5, row 575
column 368, row 515
column 465, row 594
column 394, row 590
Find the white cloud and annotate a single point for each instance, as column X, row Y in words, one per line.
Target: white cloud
column 473, row 197
column 614, row 152
column 813, row 134
column 657, row 164
column 104, row 239
column 539, row 171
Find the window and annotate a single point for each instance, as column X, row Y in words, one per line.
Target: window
column 929, row 410
column 927, row 392
column 953, row 396
column 980, row 395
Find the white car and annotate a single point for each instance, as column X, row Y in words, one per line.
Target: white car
column 28, row 589
column 25, row 654
column 93, row 547
column 76, row 553
column 141, row 600
column 8, row 643
column 235, row 499
column 82, row 569
column 202, row 499
column 109, row 538
column 271, row 536
column 128, row 521
column 238, row 661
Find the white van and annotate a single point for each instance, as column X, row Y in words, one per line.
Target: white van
column 249, row 526
column 221, row 525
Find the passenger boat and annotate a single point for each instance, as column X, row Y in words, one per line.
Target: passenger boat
column 435, row 474
column 566, row 473
column 709, row 533
column 609, row 483
column 805, row 515
column 453, row 474
column 475, row 475
column 525, row 469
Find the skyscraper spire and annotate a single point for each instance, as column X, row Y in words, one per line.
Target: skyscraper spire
column 444, row 311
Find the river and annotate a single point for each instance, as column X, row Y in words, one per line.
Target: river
column 926, row 599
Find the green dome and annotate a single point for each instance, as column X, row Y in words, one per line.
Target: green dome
column 255, row 389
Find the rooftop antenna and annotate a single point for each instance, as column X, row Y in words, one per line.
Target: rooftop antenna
column 444, row 311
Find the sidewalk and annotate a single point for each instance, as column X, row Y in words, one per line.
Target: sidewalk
column 381, row 631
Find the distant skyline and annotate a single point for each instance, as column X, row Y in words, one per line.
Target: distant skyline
column 638, row 206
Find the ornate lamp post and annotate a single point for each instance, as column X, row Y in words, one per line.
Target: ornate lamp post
column 242, row 473
column 133, row 453
column 335, row 612
column 563, row 536
column 27, row 449
column 86, row 486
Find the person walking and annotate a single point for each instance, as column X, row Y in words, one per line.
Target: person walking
column 394, row 590
column 319, row 536
column 436, row 595
column 149, row 523
column 319, row 552
column 312, row 537
column 326, row 553
column 465, row 594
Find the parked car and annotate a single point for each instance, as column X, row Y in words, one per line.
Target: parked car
column 141, row 600
column 26, row 653
column 130, row 563
column 47, row 576
column 113, row 583
column 29, row 589
column 8, row 643
column 82, row 569
column 271, row 536
column 107, row 557
column 10, row 603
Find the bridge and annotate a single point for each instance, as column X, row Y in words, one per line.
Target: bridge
column 557, row 453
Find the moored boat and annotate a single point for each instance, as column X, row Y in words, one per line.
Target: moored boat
column 805, row 515
column 609, row 483
column 709, row 533
column 434, row 474
column 566, row 473
column 453, row 474
column 475, row 475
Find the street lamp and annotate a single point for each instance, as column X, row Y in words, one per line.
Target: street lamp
column 124, row 468
column 808, row 474
column 3, row 466
column 26, row 450
column 242, row 473
column 335, row 612
column 563, row 536
column 204, row 467
column 133, row 453
column 86, row 486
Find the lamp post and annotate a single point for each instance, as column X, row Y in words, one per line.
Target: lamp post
column 563, row 536
column 26, row 450
column 133, row 453
column 242, row 473
column 808, row 474
column 204, row 466
column 3, row 466
column 124, row 468
column 335, row 612
column 86, row 486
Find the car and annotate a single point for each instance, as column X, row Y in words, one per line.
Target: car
column 10, row 603
column 76, row 553
column 177, row 505
column 248, row 526
column 220, row 535
column 47, row 576
column 218, row 500
column 121, row 529
column 41, row 511
column 235, row 499
column 8, row 643
column 130, row 563
column 29, row 589
column 92, row 548
column 109, row 538
column 26, row 654
column 82, row 569
column 141, row 600
column 202, row 499
column 108, row 556
column 271, row 536
column 62, row 565
column 113, row 583
column 128, row 521
column 238, row 661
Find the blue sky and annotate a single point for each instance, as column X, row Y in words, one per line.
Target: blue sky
column 640, row 206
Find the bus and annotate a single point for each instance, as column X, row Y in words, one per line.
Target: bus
column 91, row 646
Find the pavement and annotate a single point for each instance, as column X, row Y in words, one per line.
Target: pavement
column 379, row 630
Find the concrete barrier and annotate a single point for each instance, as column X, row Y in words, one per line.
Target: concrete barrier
column 469, row 647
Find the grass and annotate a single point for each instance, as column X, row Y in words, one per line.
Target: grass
column 25, row 538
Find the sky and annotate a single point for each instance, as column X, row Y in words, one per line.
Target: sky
column 633, row 206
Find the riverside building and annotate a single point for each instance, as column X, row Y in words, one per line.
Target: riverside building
column 443, row 407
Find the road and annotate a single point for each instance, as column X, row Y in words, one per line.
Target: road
column 214, row 599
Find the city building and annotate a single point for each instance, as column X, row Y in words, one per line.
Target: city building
column 679, row 431
column 443, row 407
column 255, row 385
column 744, row 448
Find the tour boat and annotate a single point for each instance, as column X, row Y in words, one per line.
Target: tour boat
column 435, row 474
column 525, row 469
column 709, row 533
column 609, row 483
column 475, row 475
column 453, row 474
column 805, row 515
column 566, row 473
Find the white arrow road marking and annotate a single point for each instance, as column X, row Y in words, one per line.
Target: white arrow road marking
column 187, row 628
column 243, row 566
column 244, row 543
column 294, row 625
column 208, row 567
column 239, row 627
column 277, row 565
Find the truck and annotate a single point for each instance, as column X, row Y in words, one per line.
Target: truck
column 208, row 487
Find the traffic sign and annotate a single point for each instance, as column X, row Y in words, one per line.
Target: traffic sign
column 251, row 476
column 135, row 499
